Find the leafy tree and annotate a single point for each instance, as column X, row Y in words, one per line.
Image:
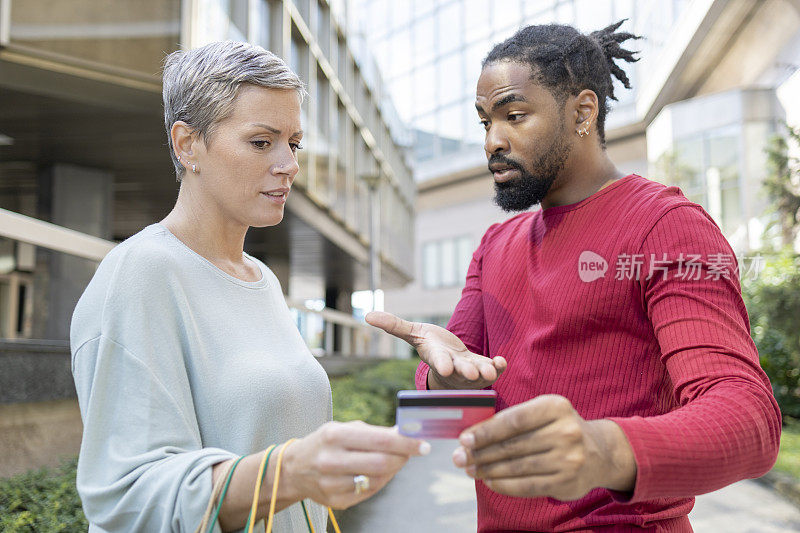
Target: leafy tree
column 782, row 184
column 670, row 169
column 773, row 302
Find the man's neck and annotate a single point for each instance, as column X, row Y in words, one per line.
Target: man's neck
column 581, row 179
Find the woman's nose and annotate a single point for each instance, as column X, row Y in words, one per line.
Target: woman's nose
column 287, row 166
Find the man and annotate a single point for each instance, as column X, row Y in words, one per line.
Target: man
column 623, row 392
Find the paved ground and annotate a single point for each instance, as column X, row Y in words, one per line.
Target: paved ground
column 744, row 507
column 430, row 495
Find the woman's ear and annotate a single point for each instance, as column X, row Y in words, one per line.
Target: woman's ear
column 182, row 140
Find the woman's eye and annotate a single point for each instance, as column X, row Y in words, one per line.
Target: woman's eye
column 295, row 146
column 260, row 144
column 485, row 124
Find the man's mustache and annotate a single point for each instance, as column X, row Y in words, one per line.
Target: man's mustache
column 498, row 159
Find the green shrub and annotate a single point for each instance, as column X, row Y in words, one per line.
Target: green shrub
column 773, row 302
column 44, row 500
column 789, row 455
column 369, row 395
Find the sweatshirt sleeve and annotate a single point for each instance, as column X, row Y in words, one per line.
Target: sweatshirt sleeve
column 142, row 465
column 727, row 425
column 467, row 320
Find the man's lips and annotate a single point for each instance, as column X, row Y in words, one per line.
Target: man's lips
column 504, row 173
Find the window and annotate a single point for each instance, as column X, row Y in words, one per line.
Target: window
column 707, row 170
column 299, row 56
column 16, row 300
column 463, row 256
column 445, row 262
column 450, row 79
column 448, row 262
column 423, row 40
column 430, row 265
column 450, row 32
column 506, row 15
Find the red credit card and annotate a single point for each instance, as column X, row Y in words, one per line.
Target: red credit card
column 442, row 414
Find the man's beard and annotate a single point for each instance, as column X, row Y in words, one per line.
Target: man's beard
column 529, row 189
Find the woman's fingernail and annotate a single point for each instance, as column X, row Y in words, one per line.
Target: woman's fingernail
column 460, row 457
column 467, row 439
column 424, row 448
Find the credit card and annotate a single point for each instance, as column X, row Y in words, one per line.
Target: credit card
column 442, row 414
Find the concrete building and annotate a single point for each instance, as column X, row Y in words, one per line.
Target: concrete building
column 84, row 164
column 715, row 80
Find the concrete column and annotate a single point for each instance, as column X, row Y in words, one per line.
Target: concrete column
column 340, row 300
column 78, row 198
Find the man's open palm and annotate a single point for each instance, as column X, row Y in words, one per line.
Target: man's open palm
column 453, row 366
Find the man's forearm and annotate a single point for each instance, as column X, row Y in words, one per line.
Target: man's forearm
column 730, row 433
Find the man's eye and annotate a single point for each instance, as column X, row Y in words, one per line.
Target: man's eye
column 260, row 144
column 516, row 116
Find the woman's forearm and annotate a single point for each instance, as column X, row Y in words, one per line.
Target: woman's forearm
column 239, row 498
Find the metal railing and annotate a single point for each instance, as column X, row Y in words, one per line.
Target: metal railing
column 327, row 332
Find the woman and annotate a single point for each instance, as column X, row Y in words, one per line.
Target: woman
column 185, row 356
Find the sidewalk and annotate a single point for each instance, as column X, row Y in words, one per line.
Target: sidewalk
column 430, row 495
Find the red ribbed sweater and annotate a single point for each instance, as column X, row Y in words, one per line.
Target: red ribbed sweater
column 666, row 356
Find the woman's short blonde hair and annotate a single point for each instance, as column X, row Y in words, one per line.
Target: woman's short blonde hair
column 201, row 85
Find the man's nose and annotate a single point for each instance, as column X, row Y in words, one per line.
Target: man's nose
column 495, row 142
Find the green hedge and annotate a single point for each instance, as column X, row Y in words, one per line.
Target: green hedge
column 369, row 395
column 44, row 501
column 773, row 302
column 789, row 456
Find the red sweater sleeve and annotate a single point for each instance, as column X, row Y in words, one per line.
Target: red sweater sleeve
column 467, row 322
column 727, row 427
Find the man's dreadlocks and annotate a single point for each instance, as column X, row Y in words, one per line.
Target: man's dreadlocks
column 566, row 61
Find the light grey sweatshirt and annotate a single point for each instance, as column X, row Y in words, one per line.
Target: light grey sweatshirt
column 179, row 366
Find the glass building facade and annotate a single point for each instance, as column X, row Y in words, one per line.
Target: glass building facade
column 430, row 53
